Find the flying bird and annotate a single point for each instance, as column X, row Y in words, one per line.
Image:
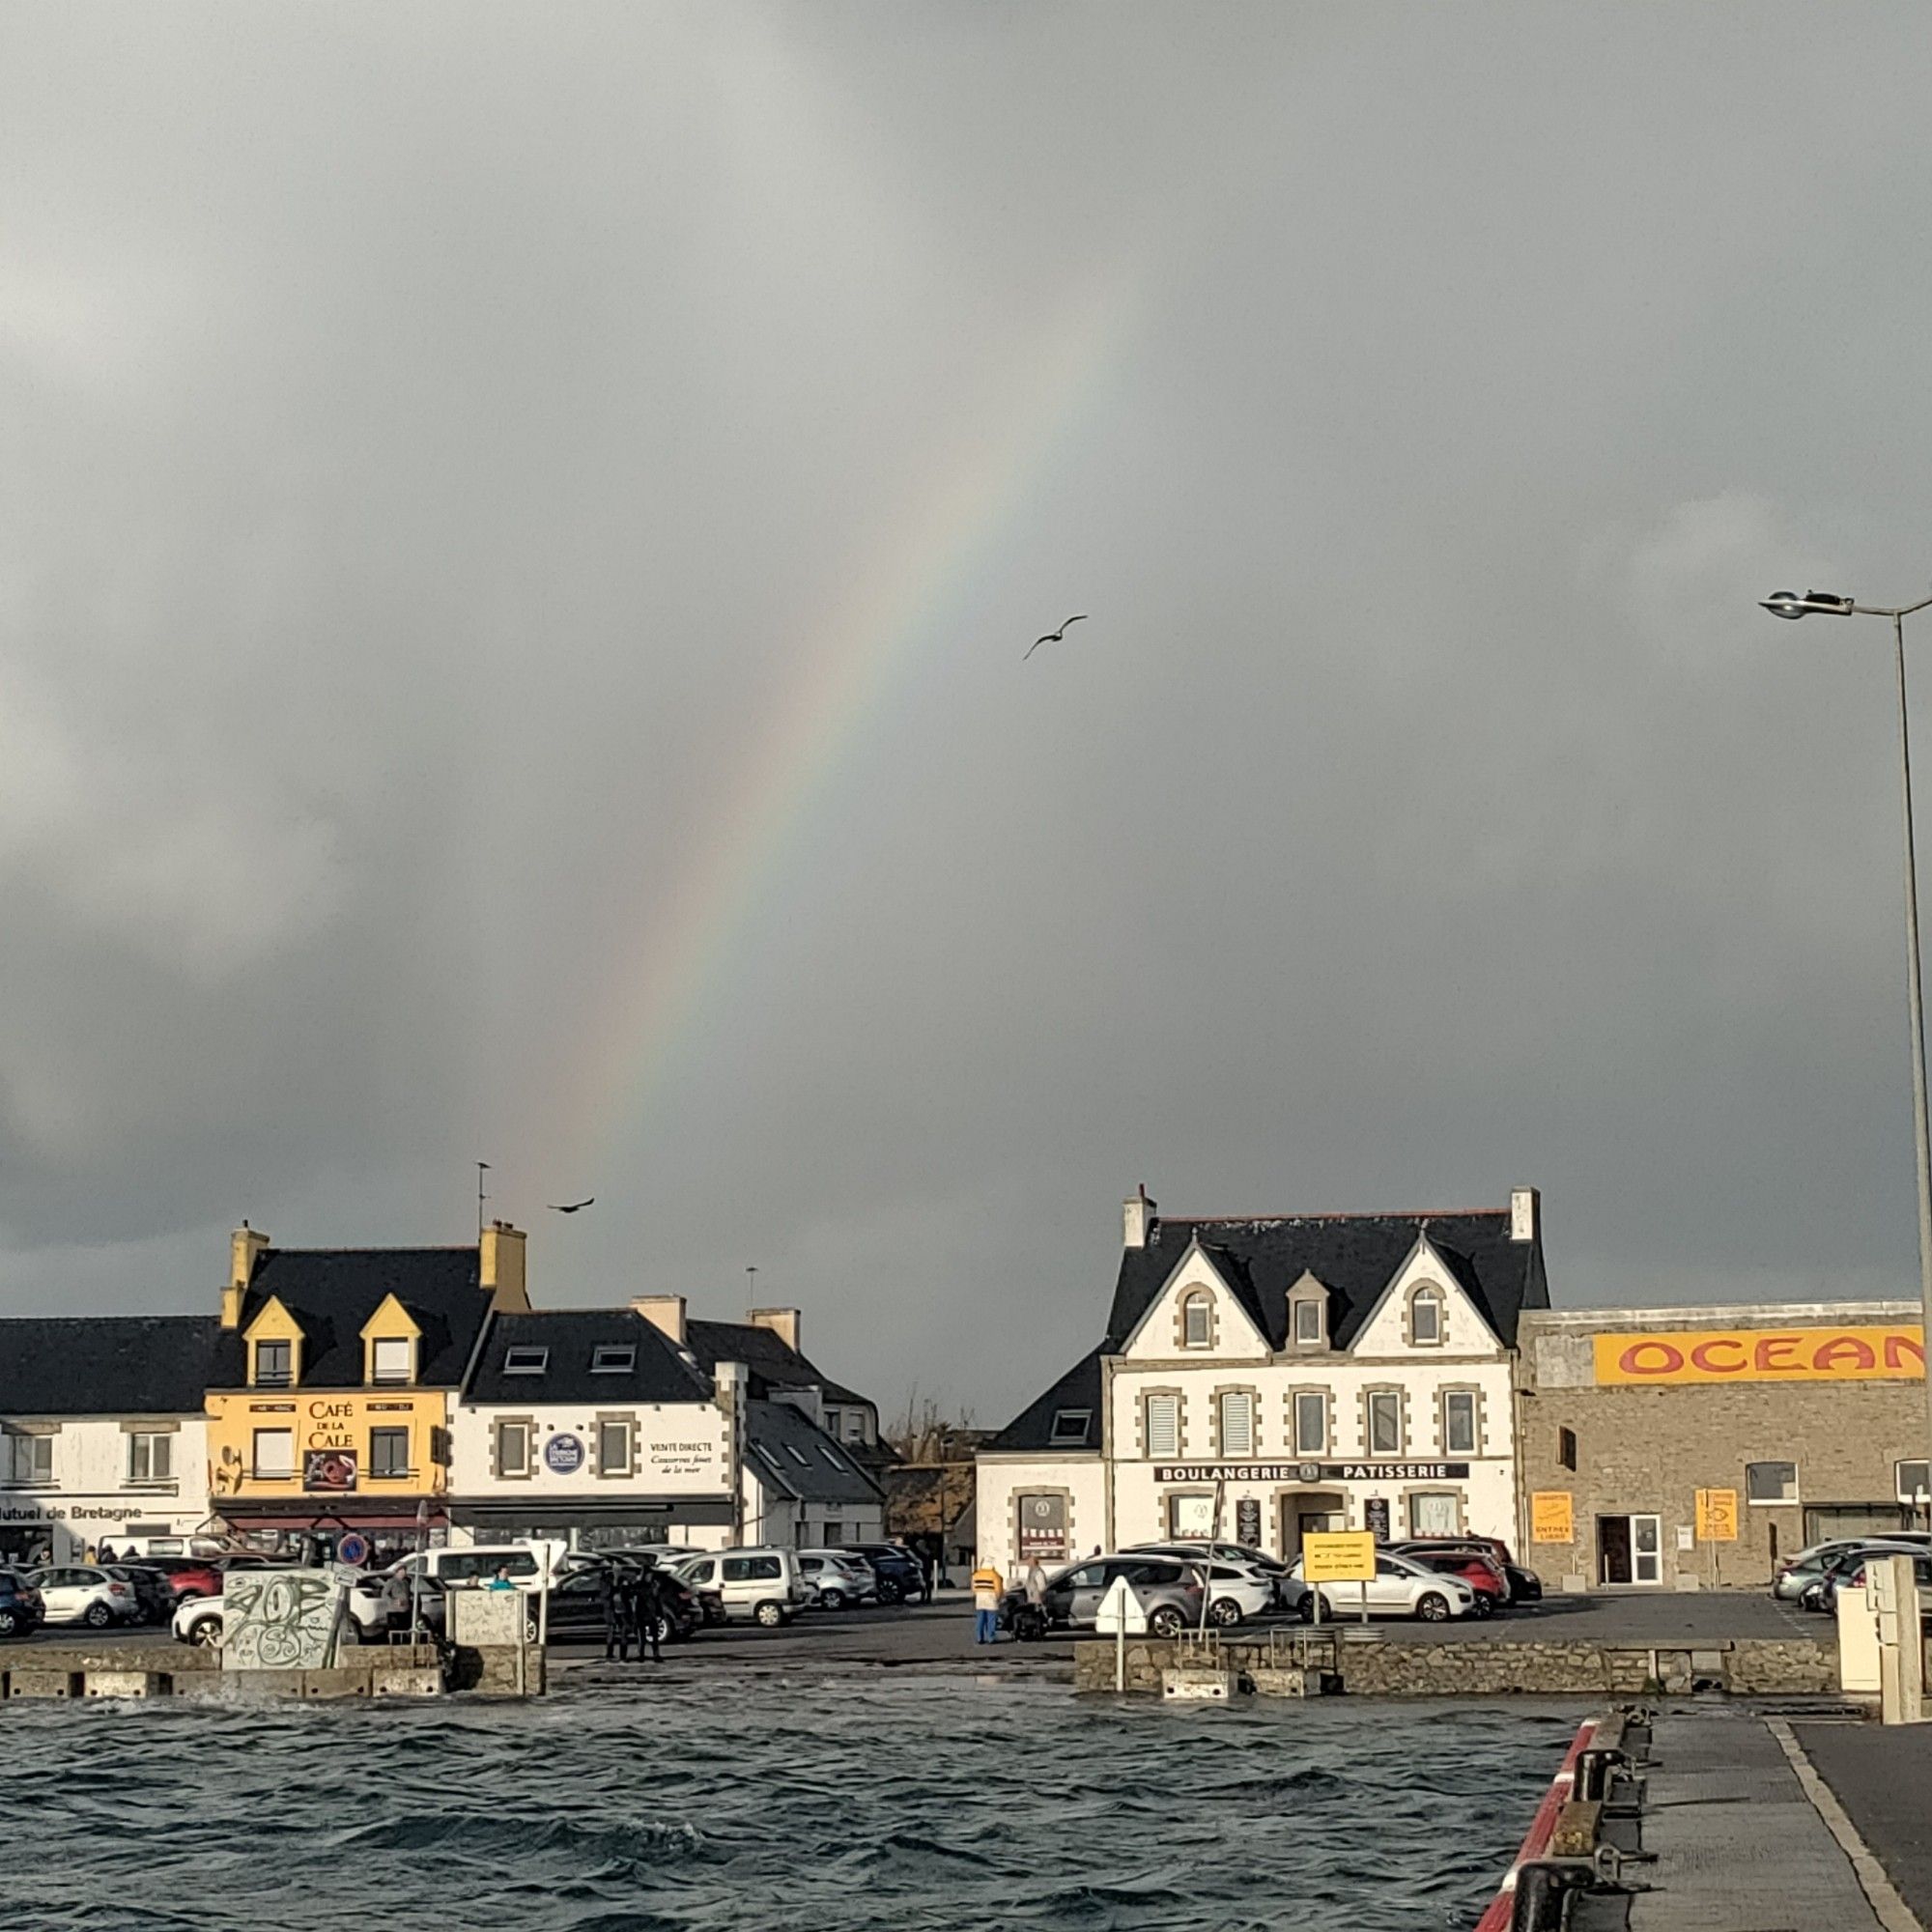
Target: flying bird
column 1053, row 636
column 571, row 1207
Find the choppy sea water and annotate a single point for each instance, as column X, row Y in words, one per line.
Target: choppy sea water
column 834, row 1804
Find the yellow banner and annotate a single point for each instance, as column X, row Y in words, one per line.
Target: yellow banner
column 1553, row 1517
column 1819, row 1354
column 1337, row 1556
column 1716, row 1515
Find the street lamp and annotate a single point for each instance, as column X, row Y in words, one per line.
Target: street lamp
column 1826, row 604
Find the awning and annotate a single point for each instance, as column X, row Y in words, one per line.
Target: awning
column 533, row 1513
column 341, row 1514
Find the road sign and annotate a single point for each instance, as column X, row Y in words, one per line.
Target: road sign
column 1337, row 1556
column 1553, row 1517
column 352, row 1549
column 1716, row 1515
column 1121, row 1613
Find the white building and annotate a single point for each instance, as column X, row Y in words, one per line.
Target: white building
column 102, row 1431
column 1268, row 1375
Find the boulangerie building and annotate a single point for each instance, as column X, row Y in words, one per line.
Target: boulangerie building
column 1273, row 1375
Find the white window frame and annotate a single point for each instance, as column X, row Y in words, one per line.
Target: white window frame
column 382, row 1377
column 24, row 1453
column 1169, row 1406
column 389, row 1428
column 1303, row 1446
column 1775, row 1502
column 1430, row 1297
column 255, row 1349
column 1196, row 1301
column 1308, row 1304
column 629, row 1428
column 1370, row 1399
column 527, row 1432
column 264, row 1475
column 142, row 1447
column 1243, row 1400
column 1413, row 1504
column 1918, row 1493
column 1451, row 1399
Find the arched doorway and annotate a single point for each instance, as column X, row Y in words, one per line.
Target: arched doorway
column 1304, row 1510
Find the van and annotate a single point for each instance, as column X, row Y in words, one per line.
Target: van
column 763, row 1583
column 459, row 1567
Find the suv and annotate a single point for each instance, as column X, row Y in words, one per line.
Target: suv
column 766, row 1584
column 22, row 1611
column 901, row 1576
column 837, row 1577
column 1240, row 1587
column 1402, row 1587
column 187, row 1575
column 1168, row 1590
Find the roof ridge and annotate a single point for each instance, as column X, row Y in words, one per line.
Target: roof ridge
column 1370, row 1214
column 384, row 1248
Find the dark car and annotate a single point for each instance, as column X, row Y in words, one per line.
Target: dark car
column 186, row 1576
column 577, row 1606
column 901, row 1576
column 154, row 1596
column 22, row 1611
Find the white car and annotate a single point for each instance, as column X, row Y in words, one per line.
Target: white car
column 78, row 1593
column 836, row 1577
column 1400, row 1589
column 197, row 1620
column 766, row 1584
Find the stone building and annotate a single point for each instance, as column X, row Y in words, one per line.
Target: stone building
column 1264, row 1376
column 1797, row 1421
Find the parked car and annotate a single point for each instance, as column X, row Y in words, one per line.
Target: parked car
column 185, row 1575
column 1849, row 1578
column 1238, row 1587
column 1519, row 1585
column 1819, row 1593
column 577, row 1606
column 479, row 1562
column 1168, row 1590
column 1222, row 1552
column 1797, row 1573
column 762, row 1583
column 1401, row 1587
column 153, row 1599
column 83, row 1593
column 899, row 1574
column 837, row 1577
column 21, row 1610
column 197, row 1620
column 1476, row 1568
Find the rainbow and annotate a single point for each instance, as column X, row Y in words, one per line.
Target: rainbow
column 859, row 656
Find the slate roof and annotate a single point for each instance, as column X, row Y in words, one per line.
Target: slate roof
column 1033, row 1427
column 795, row 1456
column 770, row 1362
column 572, row 1335
column 332, row 1292
column 105, row 1364
column 1354, row 1256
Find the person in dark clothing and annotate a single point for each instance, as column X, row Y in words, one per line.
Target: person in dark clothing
column 637, row 1610
column 651, row 1608
column 610, row 1599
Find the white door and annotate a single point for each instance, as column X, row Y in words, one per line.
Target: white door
column 63, row 1594
column 1646, row 1549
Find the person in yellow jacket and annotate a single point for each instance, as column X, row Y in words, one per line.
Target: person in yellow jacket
column 987, row 1586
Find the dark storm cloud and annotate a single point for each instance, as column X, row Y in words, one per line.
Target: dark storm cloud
column 436, row 436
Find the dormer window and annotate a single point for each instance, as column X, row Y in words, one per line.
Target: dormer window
column 1310, row 1321
column 525, row 1361
column 274, row 1365
column 1197, row 1322
column 392, row 1359
column 1425, row 1318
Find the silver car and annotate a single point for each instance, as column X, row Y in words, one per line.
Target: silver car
column 1167, row 1588
column 1401, row 1588
column 1809, row 1566
column 836, row 1577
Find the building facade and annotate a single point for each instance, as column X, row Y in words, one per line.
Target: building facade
column 1791, row 1422
column 335, row 1376
column 1262, row 1376
column 102, row 1436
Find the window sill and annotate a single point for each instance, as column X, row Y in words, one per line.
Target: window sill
column 164, row 1485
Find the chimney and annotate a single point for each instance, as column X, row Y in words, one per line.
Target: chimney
column 1526, row 1213
column 244, row 1245
column 499, row 1262
column 664, row 1312
column 732, row 1383
column 781, row 1322
column 1137, row 1217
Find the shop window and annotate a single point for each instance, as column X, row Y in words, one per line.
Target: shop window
column 1566, row 1448
column 1459, row 1422
column 1771, row 1482
column 613, row 1448
column 392, row 1359
column 1163, row 1425
column 274, row 1365
column 1384, row 1422
column 1425, row 1318
column 1197, row 1322
column 151, row 1456
column 1069, row 1425
column 1913, row 1486
column 1238, row 1422
column 1434, row 1513
column 29, row 1458
column 388, row 1452
column 1191, row 1517
column 275, row 1454
column 513, row 1449
column 1311, row 1423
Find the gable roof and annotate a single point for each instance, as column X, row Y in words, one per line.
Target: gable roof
column 769, row 1360
column 332, row 1293
column 571, row 1336
column 105, row 1364
column 788, row 1449
column 1354, row 1256
column 1078, row 1388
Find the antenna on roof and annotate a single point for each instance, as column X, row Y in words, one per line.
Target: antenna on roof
column 482, row 1168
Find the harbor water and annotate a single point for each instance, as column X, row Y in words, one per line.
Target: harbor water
column 831, row 1803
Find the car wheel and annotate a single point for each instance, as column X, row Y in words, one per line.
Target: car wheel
column 1434, row 1609
column 1029, row 1625
column 770, row 1614
column 1166, row 1621
column 97, row 1616
column 1225, row 1612
column 9, row 1623
column 832, row 1600
column 890, row 1590
column 1484, row 1606
column 1312, row 1603
column 530, row 1628
column 206, row 1634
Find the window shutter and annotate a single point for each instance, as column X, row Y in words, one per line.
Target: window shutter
column 1163, row 1425
column 1237, row 1424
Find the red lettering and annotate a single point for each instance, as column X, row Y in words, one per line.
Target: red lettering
column 1767, row 1360
column 1846, row 1350
column 1667, row 1363
column 1704, row 1356
column 1901, row 1352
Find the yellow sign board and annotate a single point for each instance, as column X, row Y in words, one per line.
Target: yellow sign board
column 1716, row 1515
column 1553, row 1517
column 1337, row 1556
column 1817, row 1354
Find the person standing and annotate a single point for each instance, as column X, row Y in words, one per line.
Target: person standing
column 630, row 1582
column 1035, row 1586
column 653, row 1605
column 988, row 1584
column 607, row 1601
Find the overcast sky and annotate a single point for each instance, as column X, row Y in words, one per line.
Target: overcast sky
column 518, row 529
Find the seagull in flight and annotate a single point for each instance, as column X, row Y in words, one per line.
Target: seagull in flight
column 571, row 1207
column 1053, row 636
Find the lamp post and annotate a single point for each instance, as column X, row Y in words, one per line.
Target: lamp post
column 1822, row 603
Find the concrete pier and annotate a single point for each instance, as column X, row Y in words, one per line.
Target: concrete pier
column 74, row 1673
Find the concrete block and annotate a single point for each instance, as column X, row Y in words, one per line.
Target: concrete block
column 1198, row 1684
column 128, row 1684
column 55, row 1684
column 406, row 1680
column 1284, row 1680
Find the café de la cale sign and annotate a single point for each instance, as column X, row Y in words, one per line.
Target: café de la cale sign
column 1310, row 1473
